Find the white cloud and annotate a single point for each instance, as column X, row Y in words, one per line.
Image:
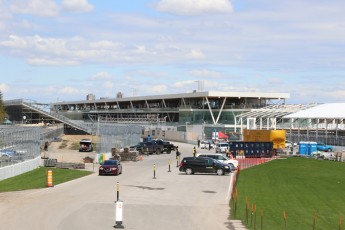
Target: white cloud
column 4, row 12
column 104, row 45
column 158, row 89
column 108, row 85
column 192, row 7
column 195, row 54
column 3, row 87
column 26, row 25
column 44, row 8
column 101, row 76
column 140, row 50
column 50, row 61
column 77, row 5
column 76, row 50
column 182, row 84
column 204, row 73
column 14, row 42
column 69, row 90
column 275, row 80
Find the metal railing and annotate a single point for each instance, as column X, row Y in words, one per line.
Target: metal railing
column 58, row 117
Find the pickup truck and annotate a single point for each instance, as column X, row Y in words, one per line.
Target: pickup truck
column 167, row 146
column 324, row 147
column 149, row 147
column 155, row 146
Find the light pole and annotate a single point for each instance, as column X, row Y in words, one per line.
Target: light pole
column 200, row 85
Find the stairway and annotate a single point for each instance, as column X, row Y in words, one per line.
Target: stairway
column 58, row 117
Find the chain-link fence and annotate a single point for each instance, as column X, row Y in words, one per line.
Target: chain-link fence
column 18, row 144
column 117, row 136
column 329, row 139
column 48, row 134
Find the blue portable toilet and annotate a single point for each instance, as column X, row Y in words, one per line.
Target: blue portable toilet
column 303, row 147
column 312, row 147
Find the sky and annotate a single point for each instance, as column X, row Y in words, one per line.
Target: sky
column 62, row 50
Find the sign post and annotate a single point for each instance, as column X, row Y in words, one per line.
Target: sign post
column 118, row 216
column 118, row 208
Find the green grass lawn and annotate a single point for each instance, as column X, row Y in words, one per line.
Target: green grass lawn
column 38, row 179
column 297, row 185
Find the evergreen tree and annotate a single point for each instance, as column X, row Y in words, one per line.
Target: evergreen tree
column 3, row 114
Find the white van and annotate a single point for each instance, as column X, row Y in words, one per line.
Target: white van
column 222, row 147
column 205, row 144
column 219, row 157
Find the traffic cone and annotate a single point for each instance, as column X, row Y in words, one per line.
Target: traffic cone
column 141, row 157
column 50, row 178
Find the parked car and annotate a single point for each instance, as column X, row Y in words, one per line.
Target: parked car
column 132, row 148
column 85, row 145
column 6, row 154
column 221, row 147
column 110, row 167
column 191, row 165
column 324, row 147
column 221, row 158
column 288, row 144
column 205, row 144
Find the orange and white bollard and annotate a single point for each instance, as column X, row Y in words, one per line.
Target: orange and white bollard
column 50, row 178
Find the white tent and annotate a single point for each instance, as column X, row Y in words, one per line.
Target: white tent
column 323, row 111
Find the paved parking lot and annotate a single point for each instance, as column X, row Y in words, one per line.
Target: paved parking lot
column 171, row 201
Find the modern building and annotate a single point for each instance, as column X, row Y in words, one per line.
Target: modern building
column 198, row 112
column 204, row 108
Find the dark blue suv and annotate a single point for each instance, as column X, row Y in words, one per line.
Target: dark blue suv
column 191, row 165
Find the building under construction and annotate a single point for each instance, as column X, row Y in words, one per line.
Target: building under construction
column 198, row 112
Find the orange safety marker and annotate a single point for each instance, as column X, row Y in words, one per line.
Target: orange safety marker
column 50, row 178
column 141, row 157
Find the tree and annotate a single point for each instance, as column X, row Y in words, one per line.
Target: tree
column 3, row 114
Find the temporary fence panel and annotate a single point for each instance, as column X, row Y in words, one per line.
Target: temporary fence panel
column 18, row 144
column 117, row 136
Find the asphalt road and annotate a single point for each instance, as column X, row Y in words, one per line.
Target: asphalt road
column 171, row 201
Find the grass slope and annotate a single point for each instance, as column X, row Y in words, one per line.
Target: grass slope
column 38, row 179
column 297, row 185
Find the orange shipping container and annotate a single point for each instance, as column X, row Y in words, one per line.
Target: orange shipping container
column 278, row 137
